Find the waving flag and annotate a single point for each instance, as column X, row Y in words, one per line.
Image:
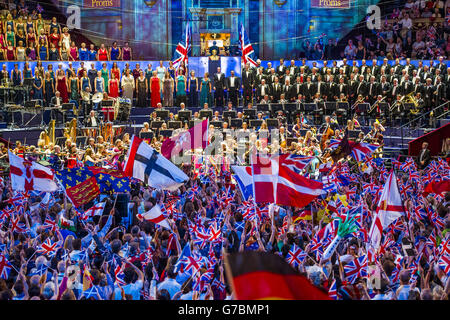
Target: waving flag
column 79, row 184
column 295, row 256
column 155, row 215
column 195, row 138
column 295, row 162
column 183, row 48
column 390, row 208
column 361, row 150
column 29, row 175
column 5, row 267
column 111, row 180
column 246, row 47
column 147, row 165
column 95, row 210
column 48, row 248
column 243, row 177
column 356, row 269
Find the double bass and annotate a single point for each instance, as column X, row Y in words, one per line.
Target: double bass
column 325, row 137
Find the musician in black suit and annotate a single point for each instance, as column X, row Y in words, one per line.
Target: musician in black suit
column 219, row 86
column 439, row 93
column 345, row 67
column 323, row 70
column 428, row 95
column 397, row 67
column 233, row 85
column 424, row 158
column 270, row 78
column 56, row 103
column 418, row 86
column 248, row 81
column 395, row 90
column 91, row 120
column 407, row 86
column 293, row 69
column 321, row 88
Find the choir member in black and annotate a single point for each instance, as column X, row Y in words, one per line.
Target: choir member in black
column 248, row 81
column 309, row 89
column 286, row 89
column 296, row 89
column 262, row 90
column 373, row 90
column 219, row 86
column 276, row 90
column 233, row 85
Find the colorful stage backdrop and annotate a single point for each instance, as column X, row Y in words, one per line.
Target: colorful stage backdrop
column 276, row 28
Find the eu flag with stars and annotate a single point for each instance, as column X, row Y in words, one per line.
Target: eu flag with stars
column 111, row 180
column 80, row 185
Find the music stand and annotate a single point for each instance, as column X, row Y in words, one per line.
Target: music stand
column 330, row 107
column 290, row 107
column 250, row 113
column 30, row 104
column 272, row 123
column 216, row 124
column 309, row 107
column 146, row 135
column 362, row 107
column 231, row 114
column 107, row 103
column 184, row 115
column 342, row 105
column 166, row 133
column 156, row 124
column 255, row 123
column 194, row 122
column 236, row 123
column 206, row 113
column 275, row 107
column 262, row 107
column 174, row 124
column 162, row 114
column 81, row 141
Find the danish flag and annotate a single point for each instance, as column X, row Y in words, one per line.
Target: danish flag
column 246, row 47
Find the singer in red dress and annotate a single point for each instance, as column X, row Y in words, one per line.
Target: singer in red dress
column 155, row 90
column 113, row 86
column 61, row 85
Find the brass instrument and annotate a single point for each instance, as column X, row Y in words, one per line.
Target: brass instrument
column 412, row 99
column 98, row 97
column 396, row 103
column 375, row 105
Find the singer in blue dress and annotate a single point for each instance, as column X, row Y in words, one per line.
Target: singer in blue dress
column 205, row 91
column 193, row 90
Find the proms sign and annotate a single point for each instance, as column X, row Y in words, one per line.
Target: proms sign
column 101, row 3
column 330, row 4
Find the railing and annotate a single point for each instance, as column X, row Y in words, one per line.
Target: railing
column 422, row 116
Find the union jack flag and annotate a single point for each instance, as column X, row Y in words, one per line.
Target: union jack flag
column 246, row 47
column 332, row 292
column 361, row 150
column 16, row 225
column 356, row 268
column 295, row 256
column 5, row 267
column 51, row 224
column 408, row 165
column 48, row 247
column 119, row 275
column 218, row 284
column 183, row 48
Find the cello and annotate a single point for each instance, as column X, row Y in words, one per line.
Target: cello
column 325, row 137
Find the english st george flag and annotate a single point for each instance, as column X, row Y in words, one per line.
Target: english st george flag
column 390, row 208
column 156, row 216
column 147, row 165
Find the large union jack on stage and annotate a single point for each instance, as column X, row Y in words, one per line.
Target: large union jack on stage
column 183, row 48
column 246, row 47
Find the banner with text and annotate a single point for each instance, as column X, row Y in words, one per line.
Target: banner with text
column 101, row 3
column 331, row 4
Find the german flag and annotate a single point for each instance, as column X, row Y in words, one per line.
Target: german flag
column 266, row 276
